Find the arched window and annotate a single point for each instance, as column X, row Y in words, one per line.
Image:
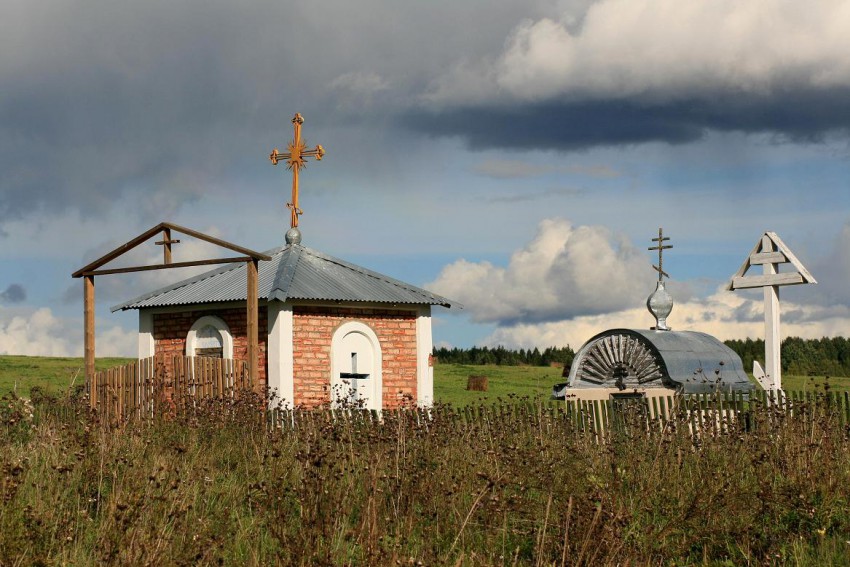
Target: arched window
column 208, row 342
column 356, row 374
column 209, row 336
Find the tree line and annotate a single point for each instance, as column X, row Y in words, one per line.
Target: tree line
column 801, row 357
column 505, row 357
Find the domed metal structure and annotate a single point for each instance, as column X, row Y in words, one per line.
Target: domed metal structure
column 685, row 361
column 637, row 362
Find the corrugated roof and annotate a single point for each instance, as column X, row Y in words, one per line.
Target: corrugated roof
column 294, row 272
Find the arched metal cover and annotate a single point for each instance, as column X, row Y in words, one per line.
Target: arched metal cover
column 688, row 361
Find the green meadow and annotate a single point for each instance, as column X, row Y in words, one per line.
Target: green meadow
column 502, row 484
column 56, row 375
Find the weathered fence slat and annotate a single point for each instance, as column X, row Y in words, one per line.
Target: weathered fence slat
column 151, row 386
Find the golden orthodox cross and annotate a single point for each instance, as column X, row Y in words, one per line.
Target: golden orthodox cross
column 294, row 159
column 661, row 248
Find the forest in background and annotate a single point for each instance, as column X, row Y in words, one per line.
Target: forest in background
column 801, row 357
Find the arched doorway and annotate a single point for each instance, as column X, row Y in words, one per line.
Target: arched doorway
column 356, row 376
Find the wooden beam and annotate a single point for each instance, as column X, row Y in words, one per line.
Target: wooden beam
column 253, row 323
column 744, row 267
column 166, row 246
column 808, row 277
column 768, row 258
column 767, row 280
column 772, row 337
column 218, row 242
column 172, row 265
column 123, row 249
column 88, row 333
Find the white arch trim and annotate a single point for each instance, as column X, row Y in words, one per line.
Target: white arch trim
column 376, row 392
column 219, row 325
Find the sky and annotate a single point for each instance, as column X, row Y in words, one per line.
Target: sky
column 516, row 157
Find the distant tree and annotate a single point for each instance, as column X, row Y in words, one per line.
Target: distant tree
column 822, row 357
column 505, row 356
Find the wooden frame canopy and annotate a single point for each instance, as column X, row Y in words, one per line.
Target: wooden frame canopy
column 250, row 257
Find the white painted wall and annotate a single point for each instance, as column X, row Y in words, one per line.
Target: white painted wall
column 146, row 342
column 279, row 351
column 424, row 347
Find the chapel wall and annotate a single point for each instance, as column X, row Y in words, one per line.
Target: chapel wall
column 313, row 329
column 170, row 330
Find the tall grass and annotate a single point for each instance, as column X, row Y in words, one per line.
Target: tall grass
column 505, row 485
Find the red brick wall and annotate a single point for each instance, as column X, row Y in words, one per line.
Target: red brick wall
column 170, row 330
column 313, row 329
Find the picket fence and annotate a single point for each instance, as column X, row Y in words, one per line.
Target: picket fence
column 703, row 414
column 163, row 384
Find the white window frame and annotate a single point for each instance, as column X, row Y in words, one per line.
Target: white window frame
column 219, row 325
column 376, row 391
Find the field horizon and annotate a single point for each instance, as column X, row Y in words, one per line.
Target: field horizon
column 57, row 375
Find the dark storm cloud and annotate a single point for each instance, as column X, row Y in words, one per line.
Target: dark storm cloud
column 117, row 101
column 797, row 116
column 158, row 102
column 15, row 293
column 155, row 104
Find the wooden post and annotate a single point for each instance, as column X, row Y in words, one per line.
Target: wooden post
column 252, row 323
column 88, row 339
column 772, row 338
column 166, row 247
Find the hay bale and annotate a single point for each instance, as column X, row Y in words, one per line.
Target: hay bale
column 476, row 383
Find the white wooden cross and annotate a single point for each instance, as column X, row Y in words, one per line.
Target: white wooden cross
column 770, row 252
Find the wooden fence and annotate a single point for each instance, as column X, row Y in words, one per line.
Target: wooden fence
column 161, row 384
column 704, row 414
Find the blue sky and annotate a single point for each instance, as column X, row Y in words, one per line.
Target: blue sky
column 518, row 163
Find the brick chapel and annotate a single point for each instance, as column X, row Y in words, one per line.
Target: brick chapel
column 330, row 332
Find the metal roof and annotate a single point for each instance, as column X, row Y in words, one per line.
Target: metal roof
column 689, row 361
column 294, row 272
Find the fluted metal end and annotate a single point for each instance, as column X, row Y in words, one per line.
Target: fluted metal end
column 293, row 236
column 660, row 304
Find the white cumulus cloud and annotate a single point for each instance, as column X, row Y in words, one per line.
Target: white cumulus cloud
column 573, row 282
column 566, row 271
column 724, row 314
column 41, row 333
column 663, row 49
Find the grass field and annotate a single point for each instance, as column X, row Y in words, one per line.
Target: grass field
column 504, row 485
column 55, row 375
column 509, row 484
column 504, row 382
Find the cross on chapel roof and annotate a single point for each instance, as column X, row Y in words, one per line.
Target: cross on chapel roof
column 294, row 159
